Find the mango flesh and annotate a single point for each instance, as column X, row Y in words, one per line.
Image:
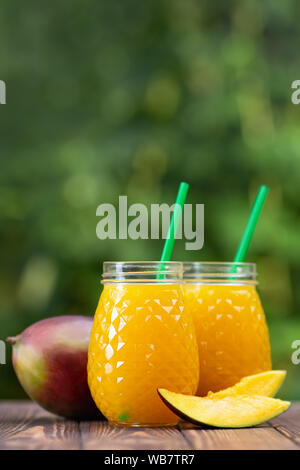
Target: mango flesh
column 50, row 361
column 228, row 412
column 265, row 384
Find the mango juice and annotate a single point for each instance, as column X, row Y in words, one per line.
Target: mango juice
column 142, row 339
column 231, row 330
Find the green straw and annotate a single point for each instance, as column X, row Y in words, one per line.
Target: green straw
column 251, row 224
column 176, row 216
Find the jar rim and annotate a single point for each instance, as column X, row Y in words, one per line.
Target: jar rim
column 219, row 272
column 142, row 271
column 220, row 263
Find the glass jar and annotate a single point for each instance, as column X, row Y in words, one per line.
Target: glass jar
column 231, row 330
column 142, row 339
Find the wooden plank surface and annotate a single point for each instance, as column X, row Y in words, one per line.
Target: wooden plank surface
column 288, row 424
column 101, row 435
column 24, row 425
column 257, row 438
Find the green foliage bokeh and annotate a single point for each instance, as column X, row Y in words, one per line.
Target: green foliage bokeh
column 112, row 98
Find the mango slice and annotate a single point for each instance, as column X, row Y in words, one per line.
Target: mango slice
column 264, row 384
column 235, row 411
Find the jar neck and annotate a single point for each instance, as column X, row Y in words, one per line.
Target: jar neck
column 151, row 272
column 220, row 273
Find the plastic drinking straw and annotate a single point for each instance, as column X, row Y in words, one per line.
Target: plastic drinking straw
column 176, row 216
column 251, row 224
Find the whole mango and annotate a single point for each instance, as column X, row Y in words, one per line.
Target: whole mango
column 50, row 361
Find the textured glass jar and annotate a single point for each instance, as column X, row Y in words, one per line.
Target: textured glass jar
column 142, row 339
column 231, row 329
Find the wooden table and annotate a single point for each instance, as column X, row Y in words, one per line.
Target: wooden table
column 24, row 425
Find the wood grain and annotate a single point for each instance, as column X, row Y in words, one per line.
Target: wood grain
column 263, row 438
column 24, row 425
column 288, row 424
column 101, row 435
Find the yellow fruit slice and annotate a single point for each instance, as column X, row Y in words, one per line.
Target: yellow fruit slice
column 228, row 412
column 265, row 384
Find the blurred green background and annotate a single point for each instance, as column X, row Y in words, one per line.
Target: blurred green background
column 111, row 98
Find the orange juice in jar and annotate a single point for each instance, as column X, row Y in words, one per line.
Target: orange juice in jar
column 142, row 339
column 231, row 330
